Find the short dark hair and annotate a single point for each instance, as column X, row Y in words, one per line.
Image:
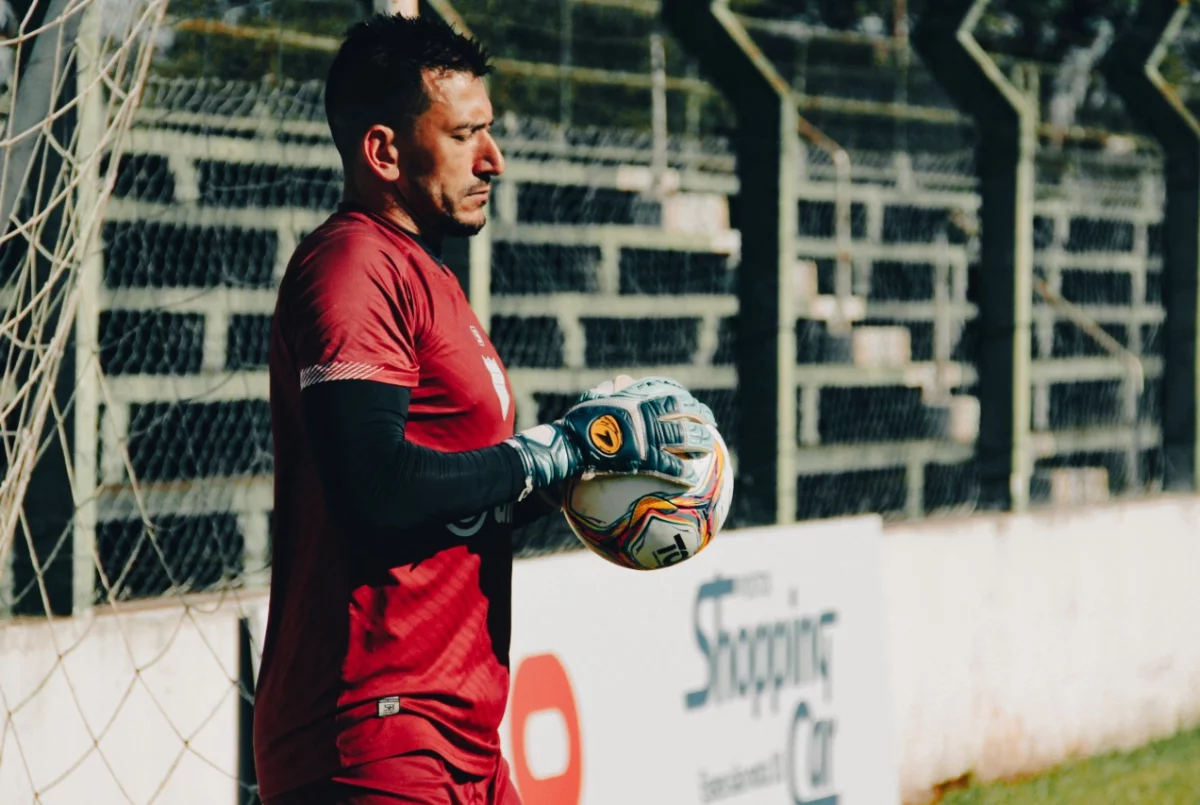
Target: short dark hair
column 377, row 75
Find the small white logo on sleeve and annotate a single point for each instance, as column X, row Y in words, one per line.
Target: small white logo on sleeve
column 388, row 706
column 499, row 384
column 478, row 337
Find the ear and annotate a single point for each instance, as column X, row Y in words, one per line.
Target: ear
column 380, row 152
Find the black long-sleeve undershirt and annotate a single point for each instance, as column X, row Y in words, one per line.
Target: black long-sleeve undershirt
column 375, row 476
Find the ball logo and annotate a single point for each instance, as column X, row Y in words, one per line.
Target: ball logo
column 542, row 696
column 605, row 433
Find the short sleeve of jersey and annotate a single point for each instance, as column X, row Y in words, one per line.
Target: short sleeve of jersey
column 356, row 312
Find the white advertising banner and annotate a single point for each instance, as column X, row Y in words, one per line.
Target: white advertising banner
column 755, row 672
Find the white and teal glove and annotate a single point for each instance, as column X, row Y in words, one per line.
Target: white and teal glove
column 647, row 388
column 646, row 427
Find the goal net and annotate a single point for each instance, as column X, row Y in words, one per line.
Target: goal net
column 88, row 705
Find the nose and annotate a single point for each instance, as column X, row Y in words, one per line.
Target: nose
column 491, row 162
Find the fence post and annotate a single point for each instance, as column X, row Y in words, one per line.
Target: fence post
column 768, row 162
column 1131, row 68
column 85, row 475
column 43, row 571
column 1006, row 123
column 471, row 261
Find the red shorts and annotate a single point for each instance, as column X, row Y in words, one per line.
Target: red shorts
column 418, row 779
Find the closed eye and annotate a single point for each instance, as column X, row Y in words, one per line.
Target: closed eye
column 466, row 131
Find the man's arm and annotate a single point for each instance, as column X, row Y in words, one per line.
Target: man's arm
column 549, row 501
column 375, row 476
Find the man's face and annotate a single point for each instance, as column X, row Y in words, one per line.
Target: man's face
column 449, row 158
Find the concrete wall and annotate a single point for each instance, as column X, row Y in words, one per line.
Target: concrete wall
column 1017, row 642
column 1014, row 643
column 137, row 708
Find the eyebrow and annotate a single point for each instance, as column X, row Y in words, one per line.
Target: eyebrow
column 473, row 127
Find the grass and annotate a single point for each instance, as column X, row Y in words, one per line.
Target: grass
column 1163, row 773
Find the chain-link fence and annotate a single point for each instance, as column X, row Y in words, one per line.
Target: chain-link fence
column 614, row 248
column 907, row 446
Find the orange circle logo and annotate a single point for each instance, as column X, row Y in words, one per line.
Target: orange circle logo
column 540, row 686
column 605, row 433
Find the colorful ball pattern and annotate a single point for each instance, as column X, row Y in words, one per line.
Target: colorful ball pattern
column 647, row 523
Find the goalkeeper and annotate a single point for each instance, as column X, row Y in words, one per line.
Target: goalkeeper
column 398, row 477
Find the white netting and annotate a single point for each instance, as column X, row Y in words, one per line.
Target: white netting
column 69, row 100
column 90, row 705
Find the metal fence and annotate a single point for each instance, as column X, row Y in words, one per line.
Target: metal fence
column 617, row 248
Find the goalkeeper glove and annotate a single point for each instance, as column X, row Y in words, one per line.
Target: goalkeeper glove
column 647, row 388
column 647, row 427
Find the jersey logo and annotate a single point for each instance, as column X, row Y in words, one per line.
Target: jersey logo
column 470, row 526
column 605, row 434
column 499, row 384
column 478, row 337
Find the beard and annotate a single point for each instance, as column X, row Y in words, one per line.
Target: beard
column 453, row 227
column 439, row 221
column 453, row 224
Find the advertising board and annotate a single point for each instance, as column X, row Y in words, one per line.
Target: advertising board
column 755, row 672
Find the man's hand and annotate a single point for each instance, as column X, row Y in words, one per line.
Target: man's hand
column 606, row 388
column 646, row 388
column 647, row 426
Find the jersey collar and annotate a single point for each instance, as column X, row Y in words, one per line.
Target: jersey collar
column 353, row 206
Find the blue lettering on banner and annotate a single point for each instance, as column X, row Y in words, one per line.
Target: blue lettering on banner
column 810, row 758
column 758, row 659
column 761, row 659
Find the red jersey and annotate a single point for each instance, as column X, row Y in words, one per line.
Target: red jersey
column 368, row 656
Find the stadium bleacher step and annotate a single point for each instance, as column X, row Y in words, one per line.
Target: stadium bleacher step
column 874, row 346
column 957, row 418
column 1071, row 486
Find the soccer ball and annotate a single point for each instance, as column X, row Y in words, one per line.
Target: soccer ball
column 646, row 523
